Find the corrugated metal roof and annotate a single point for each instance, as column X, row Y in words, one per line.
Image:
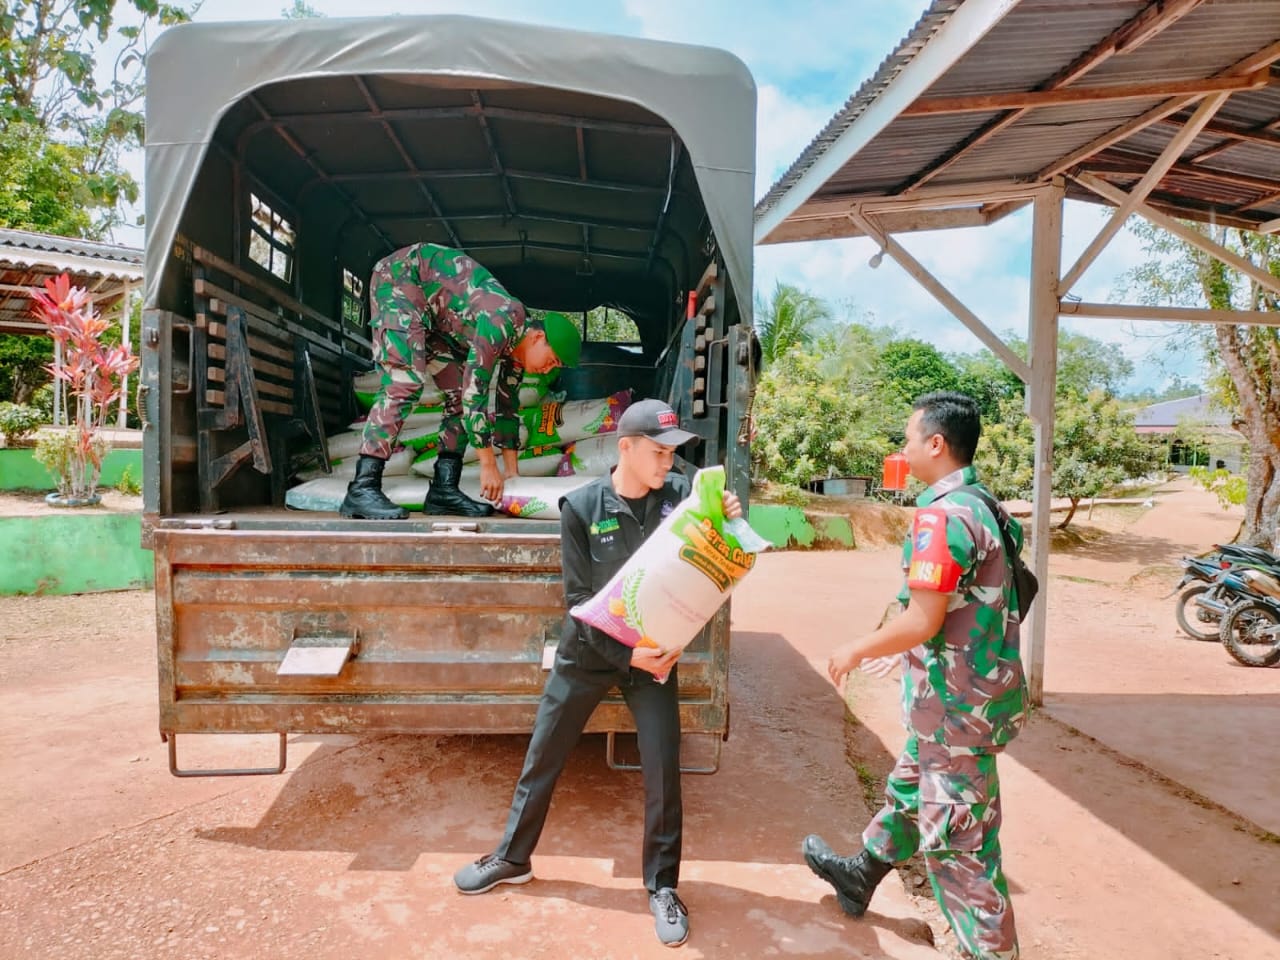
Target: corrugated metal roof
column 1028, row 47
column 1170, row 413
column 28, row 259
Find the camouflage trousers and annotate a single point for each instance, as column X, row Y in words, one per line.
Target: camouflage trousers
column 946, row 805
column 408, row 353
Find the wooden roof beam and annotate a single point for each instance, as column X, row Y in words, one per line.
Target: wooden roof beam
column 1255, row 61
column 1128, row 36
column 987, row 102
column 1159, row 167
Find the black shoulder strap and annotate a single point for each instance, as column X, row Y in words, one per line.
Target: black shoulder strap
column 1002, row 518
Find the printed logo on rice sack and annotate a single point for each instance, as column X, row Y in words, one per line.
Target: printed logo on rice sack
column 707, row 551
column 552, row 417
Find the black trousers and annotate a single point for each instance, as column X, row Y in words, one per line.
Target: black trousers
column 570, row 696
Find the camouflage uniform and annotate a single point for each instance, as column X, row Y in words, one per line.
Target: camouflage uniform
column 964, row 698
column 436, row 311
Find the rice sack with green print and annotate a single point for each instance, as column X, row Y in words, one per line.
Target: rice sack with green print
column 554, row 424
column 672, row 586
column 537, row 498
column 367, row 387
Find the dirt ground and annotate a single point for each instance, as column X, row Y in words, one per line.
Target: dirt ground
column 1139, row 804
column 31, row 503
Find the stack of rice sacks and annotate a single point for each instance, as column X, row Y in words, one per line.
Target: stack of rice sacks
column 550, row 431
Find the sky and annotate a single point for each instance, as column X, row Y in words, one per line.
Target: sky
column 808, row 57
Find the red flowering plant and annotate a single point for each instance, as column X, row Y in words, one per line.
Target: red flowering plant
column 93, row 372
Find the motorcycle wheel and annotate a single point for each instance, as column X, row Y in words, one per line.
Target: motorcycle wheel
column 1196, row 622
column 1251, row 633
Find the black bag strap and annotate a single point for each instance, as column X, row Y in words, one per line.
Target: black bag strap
column 1002, row 519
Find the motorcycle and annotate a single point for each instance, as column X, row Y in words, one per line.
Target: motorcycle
column 1206, row 592
column 1199, row 622
column 1250, row 629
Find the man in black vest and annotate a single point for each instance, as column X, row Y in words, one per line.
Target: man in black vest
column 601, row 526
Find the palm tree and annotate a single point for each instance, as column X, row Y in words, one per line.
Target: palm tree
column 791, row 318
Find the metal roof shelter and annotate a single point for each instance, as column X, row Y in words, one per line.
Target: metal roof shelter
column 110, row 273
column 1164, row 108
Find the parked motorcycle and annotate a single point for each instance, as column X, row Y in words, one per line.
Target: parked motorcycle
column 1250, row 629
column 1215, row 582
column 1199, row 622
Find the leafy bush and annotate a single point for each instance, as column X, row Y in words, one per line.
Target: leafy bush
column 18, row 422
column 128, row 484
column 1231, row 488
column 811, row 426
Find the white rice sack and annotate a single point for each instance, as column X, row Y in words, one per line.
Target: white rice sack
column 555, row 423
column 367, row 386
column 537, row 498
column 397, row 465
column 671, row 587
column 429, row 418
column 539, row 462
column 326, row 493
column 591, row 457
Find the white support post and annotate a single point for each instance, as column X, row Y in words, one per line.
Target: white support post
column 1046, row 262
column 57, row 385
column 1204, row 113
column 126, row 308
column 940, row 293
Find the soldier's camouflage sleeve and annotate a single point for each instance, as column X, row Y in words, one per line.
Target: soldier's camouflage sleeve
column 506, row 404
column 491, row 346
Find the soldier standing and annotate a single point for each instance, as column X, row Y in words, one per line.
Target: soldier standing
column 964, row 694
column 435, row 311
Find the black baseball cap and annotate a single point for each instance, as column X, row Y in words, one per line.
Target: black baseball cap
column 655, row 420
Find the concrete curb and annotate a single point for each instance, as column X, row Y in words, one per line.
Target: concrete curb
column 80, row 552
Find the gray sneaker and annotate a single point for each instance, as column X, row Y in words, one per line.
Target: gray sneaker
column 670, row 917
column 489, row 871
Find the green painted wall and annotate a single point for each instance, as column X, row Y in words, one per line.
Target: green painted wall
column 19, row 469
column 790, row 527
column 81, row 551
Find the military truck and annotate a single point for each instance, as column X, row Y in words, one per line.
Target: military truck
column 283, row 160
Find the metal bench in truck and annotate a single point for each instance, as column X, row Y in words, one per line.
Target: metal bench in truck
column 283, row 159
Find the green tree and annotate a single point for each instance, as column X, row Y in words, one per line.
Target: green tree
column 41, row 183
column 1244, row 359
column 791, row 317
column 607, row 325
column 988, row 379
column 910, row 368
column 1095, row 448
column 51, row 102
column 1086, row 365
column 812, row 426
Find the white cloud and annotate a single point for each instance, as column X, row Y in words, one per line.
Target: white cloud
column 785, row 125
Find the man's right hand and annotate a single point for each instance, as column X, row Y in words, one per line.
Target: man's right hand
column 491, row 480
column 652, row 660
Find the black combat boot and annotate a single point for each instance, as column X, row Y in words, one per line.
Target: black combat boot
column 365, row 499
column 444, row 498
column 855, row 878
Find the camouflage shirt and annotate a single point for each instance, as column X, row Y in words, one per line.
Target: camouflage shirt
column 468, row 316
column 965, row 686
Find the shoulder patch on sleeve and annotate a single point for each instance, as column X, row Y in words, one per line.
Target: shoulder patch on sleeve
column 932, row 565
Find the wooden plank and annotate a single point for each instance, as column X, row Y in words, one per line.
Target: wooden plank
column 988, row 102
column 218, row 351
column 211, row 259
column 217, row 398
column 218, row 375
column 256, row 344
column 220, row 298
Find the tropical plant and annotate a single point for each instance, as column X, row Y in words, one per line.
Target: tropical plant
column 93, row 372
column 18, row 422
column 791, row 317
